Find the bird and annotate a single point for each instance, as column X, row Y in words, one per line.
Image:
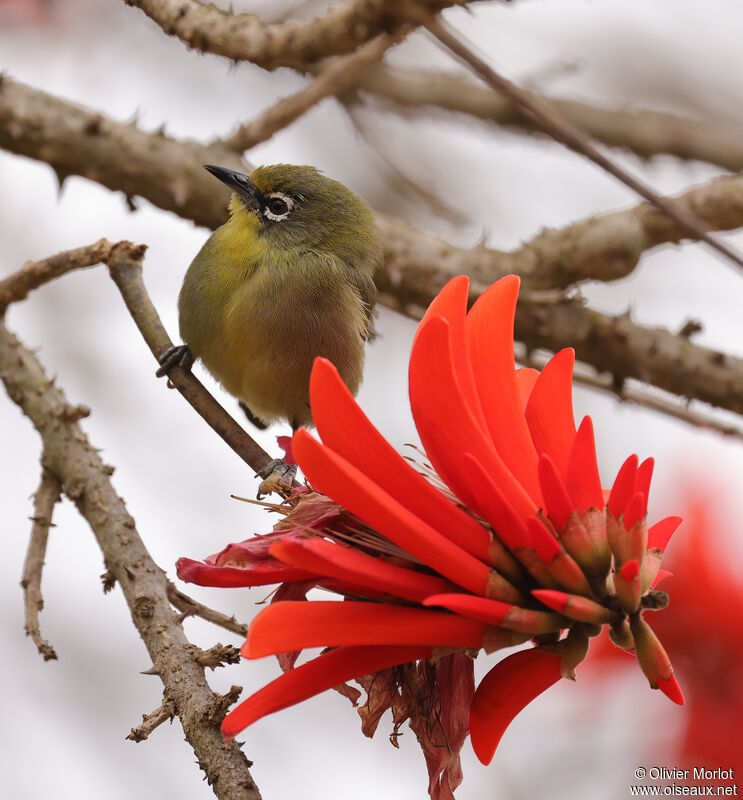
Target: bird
column 287, row 278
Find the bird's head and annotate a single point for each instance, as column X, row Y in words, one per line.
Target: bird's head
column 298, row 208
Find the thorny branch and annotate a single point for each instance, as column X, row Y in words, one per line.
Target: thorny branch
column 417, row 264
column 46, row 497
column 245, row 37
column 74, row 462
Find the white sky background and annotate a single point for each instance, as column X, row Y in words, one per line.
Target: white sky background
column 62, row 724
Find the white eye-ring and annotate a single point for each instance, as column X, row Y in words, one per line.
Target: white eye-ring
column 279, row 206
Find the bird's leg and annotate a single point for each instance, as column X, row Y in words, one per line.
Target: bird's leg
column 176, row 356
column 278, row 475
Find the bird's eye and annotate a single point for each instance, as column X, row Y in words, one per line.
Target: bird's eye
column 278, row 207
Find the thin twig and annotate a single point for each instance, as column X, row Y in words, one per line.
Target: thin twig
column 164, row 713
column 342, row 74
column 77, row 465
column 125, row 266
column 46, row 497
column 572, row 137
column 192, row 608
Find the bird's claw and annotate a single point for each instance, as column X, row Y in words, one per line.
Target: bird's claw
column 175, row 356
column 278, row 476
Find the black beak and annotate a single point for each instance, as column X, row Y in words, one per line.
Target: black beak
column 239, row 183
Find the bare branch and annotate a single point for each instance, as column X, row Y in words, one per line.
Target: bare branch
column 192, row 608
column 35, row 273
column 69, row 456
column 46, row 497
column 566, row 133
column 164, row 713
column 645, row 133
column 245, row 37
column 418, row 264
column 339, row 77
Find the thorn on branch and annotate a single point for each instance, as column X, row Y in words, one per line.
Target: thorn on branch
column 74, row 413
column 217, row 656
column 109, row 581
column 215, row 714
column 690, row 327
column 164, row 713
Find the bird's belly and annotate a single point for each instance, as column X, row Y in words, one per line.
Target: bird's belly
column 266, row 356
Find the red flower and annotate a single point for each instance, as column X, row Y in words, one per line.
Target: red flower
column 706, row 595
column 518, row 544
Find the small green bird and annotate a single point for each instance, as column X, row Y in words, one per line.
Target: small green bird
column 287, row 278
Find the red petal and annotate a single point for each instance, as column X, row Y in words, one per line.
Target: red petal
column 557, row 501
column 345, row 428
column 335, row 477
column 490, row 340
column 505, row 691
column 624, row 487
column 483, row 609
column 526, row 377
column 445, row 425
column 661, row 576
column 291, row 625
column 549, row 412
column 357, row 568
column 285, row 443
column 660, row 533
column 583, row 480
column 634, row 511
column 671, row 689
column 263, row 573
column 630, row 570
column 552, row 598
column 644, row 476
column 507, row 524
column 542, row 540
column 323, row 672
column 451, row 304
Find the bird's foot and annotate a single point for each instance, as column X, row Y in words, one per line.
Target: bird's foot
column 176, row 356
column 278, row 476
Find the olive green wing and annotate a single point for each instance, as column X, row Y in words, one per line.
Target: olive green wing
column 363, row 283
